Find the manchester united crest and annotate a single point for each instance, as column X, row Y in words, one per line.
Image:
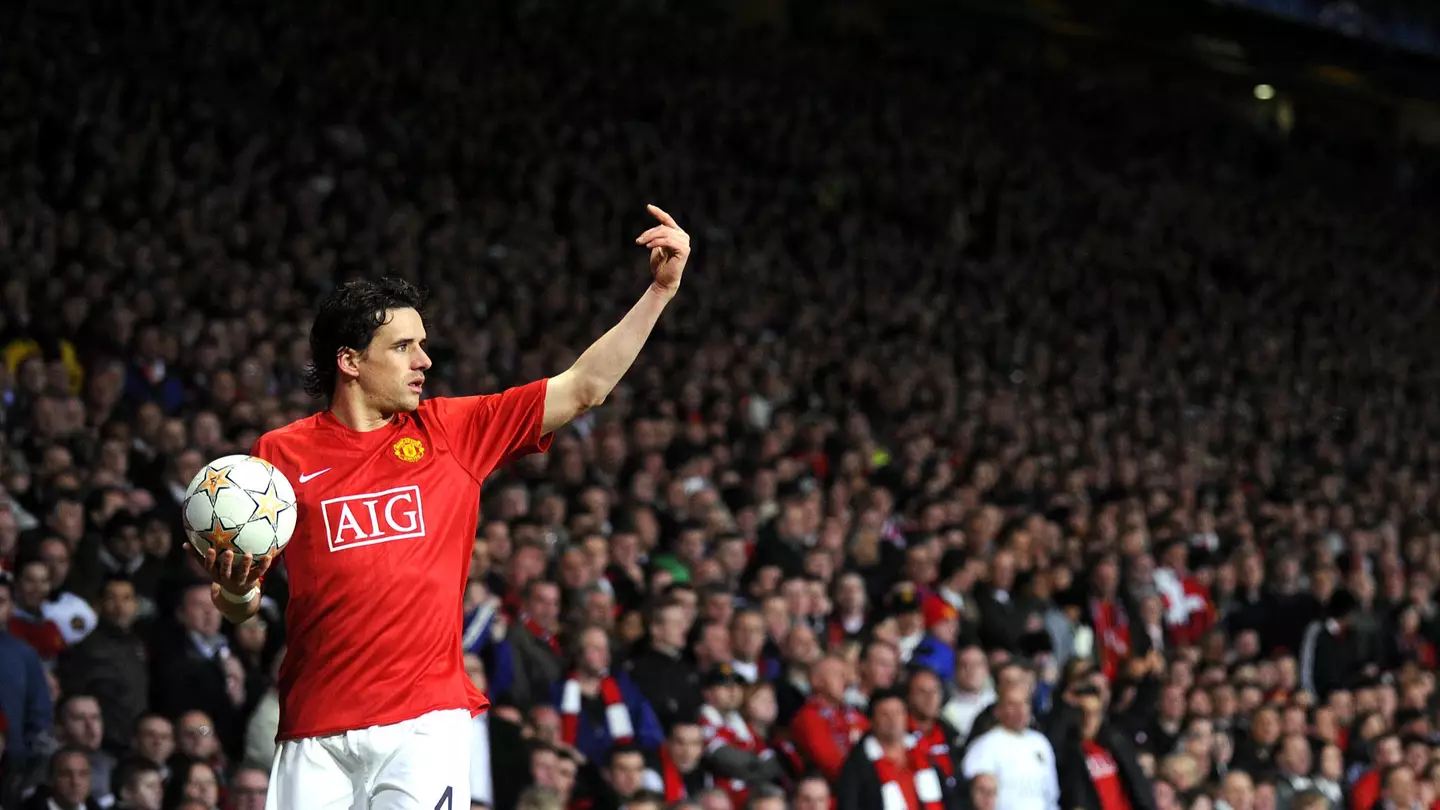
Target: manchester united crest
column 408, row 449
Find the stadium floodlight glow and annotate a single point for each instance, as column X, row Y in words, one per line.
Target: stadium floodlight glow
column 1264, row 92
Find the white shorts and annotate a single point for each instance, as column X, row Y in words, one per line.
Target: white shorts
column 419, row 764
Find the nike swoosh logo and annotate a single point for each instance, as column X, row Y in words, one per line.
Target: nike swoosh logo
column 307, row 476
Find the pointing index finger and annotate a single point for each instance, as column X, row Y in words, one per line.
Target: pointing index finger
column 661, row 215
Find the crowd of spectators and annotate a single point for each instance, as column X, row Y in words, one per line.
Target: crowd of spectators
column 1021, row 438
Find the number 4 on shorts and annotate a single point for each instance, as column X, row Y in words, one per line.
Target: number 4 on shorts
column 447, row 801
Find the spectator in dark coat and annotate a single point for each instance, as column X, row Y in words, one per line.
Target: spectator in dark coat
column 111, row 664
column 539, row 662
column 1328, row 653
column 193, row 668
column 886, row 761
column 67, row 785
column 664, row 672
column 1098, row 766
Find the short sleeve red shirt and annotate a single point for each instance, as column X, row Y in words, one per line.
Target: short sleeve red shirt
column 377, row 566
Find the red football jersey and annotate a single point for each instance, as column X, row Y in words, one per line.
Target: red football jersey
column 384, row 528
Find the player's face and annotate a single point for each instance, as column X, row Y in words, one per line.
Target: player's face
column 392, row 368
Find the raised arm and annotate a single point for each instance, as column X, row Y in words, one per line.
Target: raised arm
column 595, row 374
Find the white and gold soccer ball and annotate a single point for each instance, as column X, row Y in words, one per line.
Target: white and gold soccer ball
column 242, row 504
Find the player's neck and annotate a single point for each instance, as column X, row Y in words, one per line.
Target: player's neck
column 350, row 409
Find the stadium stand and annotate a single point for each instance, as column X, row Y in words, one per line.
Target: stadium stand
column 1111, row 409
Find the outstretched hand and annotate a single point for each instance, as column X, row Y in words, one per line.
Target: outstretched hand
column 669, row 250
column 236, row 574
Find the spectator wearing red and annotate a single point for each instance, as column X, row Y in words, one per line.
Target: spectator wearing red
column 825, row 729
column 1388, row 753
column 678, row 773
column 936, row 651
column 734, row 749
column 1189, row 612
column 600, row 709
column 924, row 696
column 28, row 622
column 890, row 768
column 1109, row 616
column 1099, row 769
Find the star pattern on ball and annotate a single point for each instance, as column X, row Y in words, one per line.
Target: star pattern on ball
column 268, row 505
column 215, row 480
column 222, row 537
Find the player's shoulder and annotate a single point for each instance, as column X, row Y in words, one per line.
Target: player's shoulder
column 296, row 433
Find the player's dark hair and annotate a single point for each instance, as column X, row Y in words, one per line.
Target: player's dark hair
column 346, row 318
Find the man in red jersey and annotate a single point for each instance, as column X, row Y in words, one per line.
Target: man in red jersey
column 375, row 706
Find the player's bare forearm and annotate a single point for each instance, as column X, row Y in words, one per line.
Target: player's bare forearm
column 586, row 384
column 234, row 612
column 598, row 370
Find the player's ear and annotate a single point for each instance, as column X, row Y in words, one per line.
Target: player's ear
column 347, row 361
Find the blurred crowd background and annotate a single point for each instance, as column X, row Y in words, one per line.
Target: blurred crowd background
column 1009, row 401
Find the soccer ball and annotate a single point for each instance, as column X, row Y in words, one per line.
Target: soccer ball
column 242, row 504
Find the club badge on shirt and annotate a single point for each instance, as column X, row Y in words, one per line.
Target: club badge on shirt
column 409, row 449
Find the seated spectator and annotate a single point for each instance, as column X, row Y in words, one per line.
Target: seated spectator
column 663, row 671
column 137, row 785
column 678, row 772
column 67, row 784
column 624, row 779
column 72, row 614
column 924, row 692
column 878, row 668
column 1021, row 759
column 28, row 621
column 154, row 741
column 599, row 708
column 735, row 751
column 889, row 768
column 247, row 788
column 81, row 727
column 535, row 640
column 825, row 730
column 193, row 668
column 110, row 664
column 192, row 780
